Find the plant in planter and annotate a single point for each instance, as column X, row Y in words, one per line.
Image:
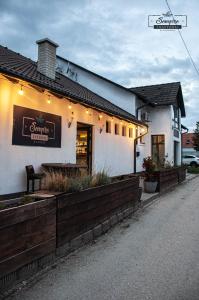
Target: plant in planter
column 150, row 182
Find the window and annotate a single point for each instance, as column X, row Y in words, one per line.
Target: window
column 188, row 142
column 158, row 149
column 123, row 130
column 130, row 132
column 116, row 129
column 176, row 117
column 108, row 127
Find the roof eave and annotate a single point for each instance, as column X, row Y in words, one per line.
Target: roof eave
column 78, row 99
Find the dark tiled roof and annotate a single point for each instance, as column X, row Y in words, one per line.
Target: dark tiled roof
column 12, row 63
column 162, row 94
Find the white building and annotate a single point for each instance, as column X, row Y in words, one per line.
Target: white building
column 47, row 117
column 161, row 106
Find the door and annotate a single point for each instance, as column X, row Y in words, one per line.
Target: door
column 84, row 146
column 158, row 149
column 175, row 153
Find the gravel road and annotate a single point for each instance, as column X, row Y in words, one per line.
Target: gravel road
column 153, row 255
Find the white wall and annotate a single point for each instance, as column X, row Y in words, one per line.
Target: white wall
column 160, row 123
column 114, row 153
column 119, row 96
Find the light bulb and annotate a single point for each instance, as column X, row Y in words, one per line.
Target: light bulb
column 100, row 117
column 70, row 106
column 87, row 112
column 21, row 92
column 49, row 100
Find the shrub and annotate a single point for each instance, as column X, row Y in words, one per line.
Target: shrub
column 55, row 181
column 193, row 170
column 74, row 185
column 58, row 182
column 26, row 200
column 149, row 165
column 2, row 206
column 101, row 178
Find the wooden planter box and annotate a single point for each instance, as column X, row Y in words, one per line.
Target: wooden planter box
column 80, row 212
column 182, row 174
column 169, row 178
column 27, row 233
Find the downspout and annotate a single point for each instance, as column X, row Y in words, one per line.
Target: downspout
column 135, row 144
column 137, row 138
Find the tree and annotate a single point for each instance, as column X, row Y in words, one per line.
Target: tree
column 196, row 137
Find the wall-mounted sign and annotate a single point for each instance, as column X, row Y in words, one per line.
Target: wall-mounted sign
column 35, row 128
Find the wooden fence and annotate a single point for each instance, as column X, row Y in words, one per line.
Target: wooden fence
column 169, row 178
column 79, row 212
column 26, row 233
column 32, row 231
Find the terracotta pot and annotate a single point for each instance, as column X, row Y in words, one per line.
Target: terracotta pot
column 150, row 186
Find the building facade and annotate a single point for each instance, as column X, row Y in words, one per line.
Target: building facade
column 56, row 120
column 55, row 111
column 160, row 106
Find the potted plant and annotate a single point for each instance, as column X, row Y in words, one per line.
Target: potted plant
column 150, row 182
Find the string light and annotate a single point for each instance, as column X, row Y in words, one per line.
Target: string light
column 49, row 100
column 100, row 117
column 142, row 130
column 21, row 92
column 87, row 112
column 70, row 106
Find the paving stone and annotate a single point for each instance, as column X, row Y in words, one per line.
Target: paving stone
column 7, row 281
column 120, row 216
column 113, row 220
column 46, row 260
column 105, row 226
column 76, row 242
column 87, row 236
column 97, row 231
column 27, row 270
column 63, row 250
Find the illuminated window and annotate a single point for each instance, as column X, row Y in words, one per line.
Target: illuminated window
column 123, row 130
column 108, row 127
column 116, row 129
column 130, row 132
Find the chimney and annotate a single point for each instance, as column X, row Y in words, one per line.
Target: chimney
column 46, row 57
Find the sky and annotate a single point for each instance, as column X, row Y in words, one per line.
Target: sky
column 111, row 38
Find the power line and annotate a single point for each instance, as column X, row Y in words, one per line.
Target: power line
column 184, row 43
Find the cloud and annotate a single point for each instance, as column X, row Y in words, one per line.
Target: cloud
column 111, row 38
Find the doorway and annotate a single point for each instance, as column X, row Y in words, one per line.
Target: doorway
column 158, row 149
column 176, row 153
column 84, row 146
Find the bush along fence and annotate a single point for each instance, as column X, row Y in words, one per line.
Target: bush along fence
column 169, row 178
column 33, row 235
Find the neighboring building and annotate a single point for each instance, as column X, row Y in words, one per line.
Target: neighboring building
column 161, row 106
column 47, row 117
column 187, row 144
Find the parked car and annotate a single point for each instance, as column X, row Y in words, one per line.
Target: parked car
column 191, row 160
